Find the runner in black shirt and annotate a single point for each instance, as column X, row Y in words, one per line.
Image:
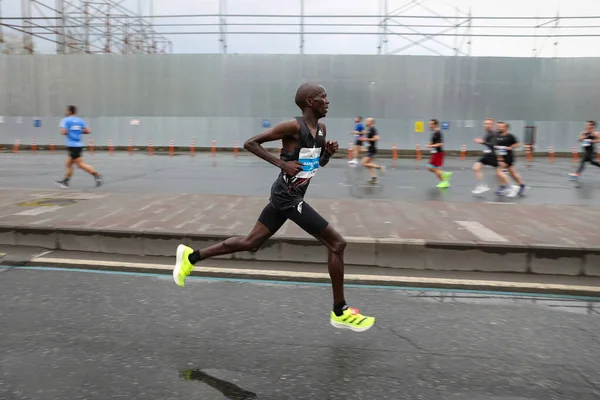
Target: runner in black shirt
column 588, row 139
column 436, row 146
column 371, row 138
column 305, row 149
column 506, row 143
column 488, row 157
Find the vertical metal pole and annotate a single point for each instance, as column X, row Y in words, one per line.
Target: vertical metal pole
column 60, row 32
column 470, row 37
column 86, row 16
column 380, row 28
column 107, row 48
column 26, row 13
column 456, row 37
column 222, row 12
column 385, row 25
column 153, row 51
column 1, row 31
column 556, row 28
column 301, row 26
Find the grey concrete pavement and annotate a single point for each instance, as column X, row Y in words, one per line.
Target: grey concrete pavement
column 426, row 235
column 74, row 335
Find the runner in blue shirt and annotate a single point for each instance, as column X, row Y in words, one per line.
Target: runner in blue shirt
column 73, row 127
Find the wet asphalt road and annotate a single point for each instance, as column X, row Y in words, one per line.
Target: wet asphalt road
column 249, row 176
column 78, row 335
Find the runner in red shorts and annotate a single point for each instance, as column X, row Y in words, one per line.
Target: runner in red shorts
column 436, row 146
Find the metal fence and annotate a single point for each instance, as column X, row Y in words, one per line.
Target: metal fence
column 227, row 97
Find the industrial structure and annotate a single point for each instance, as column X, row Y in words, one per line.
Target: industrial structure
column 88, row 27
column 106, row 26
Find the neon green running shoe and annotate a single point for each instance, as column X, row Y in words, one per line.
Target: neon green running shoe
column 183, row 266
column 447, row 175
column 443, row 184
column 352, row 320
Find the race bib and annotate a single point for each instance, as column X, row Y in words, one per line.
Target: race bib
column 309, row 157
column 487, row 151
column 587, row 143
column 433, row 150
column 502, row 151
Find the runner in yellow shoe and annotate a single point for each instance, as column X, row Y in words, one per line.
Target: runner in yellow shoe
column 304, row 149
column 436, row 146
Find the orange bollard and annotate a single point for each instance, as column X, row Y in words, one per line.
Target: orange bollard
column 16, row 146
column 110, row 147
column 235, row 148
column 575, row 154
column 130, row 147
column 91, row 147
column 418, row 154
column 51, row 146
column 463, row 152
column 551, row 153
column 33, row 146
column 150, row 148
column 394, row 155
column 193, row 148
column 214, row 148
column 171, row 148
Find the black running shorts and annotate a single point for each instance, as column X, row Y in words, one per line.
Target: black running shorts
column 302, row 214
column 74, row 152
column 490, row 160
column 509, row 160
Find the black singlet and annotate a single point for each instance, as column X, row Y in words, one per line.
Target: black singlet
column 588, row 142
column 288, row 191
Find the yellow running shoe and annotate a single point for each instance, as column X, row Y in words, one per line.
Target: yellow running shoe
column 183, row 266
column 352, row 320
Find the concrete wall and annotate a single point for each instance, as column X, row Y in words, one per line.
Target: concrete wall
column 225, row 98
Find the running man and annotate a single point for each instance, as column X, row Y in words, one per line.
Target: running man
column 436, row 146
column 73, row 127
column 372, row 138
column 304, row 150
column 588, row 139
column 488, row 158
column 359, row 130
column 506, row 143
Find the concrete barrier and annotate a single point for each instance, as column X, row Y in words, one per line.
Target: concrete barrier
column 392, row 253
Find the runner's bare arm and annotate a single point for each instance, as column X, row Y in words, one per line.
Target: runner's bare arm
column 278, row 132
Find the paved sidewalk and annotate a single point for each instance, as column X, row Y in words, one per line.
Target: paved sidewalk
column 561, row 226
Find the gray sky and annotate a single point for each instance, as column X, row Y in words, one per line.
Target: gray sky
column 367, row 44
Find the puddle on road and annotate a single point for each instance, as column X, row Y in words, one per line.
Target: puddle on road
column 227, row 389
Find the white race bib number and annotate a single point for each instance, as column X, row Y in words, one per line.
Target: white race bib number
column 587, row 143
column 433, row 150
column 309, row 157
column 502, row 151
column 487, row 151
